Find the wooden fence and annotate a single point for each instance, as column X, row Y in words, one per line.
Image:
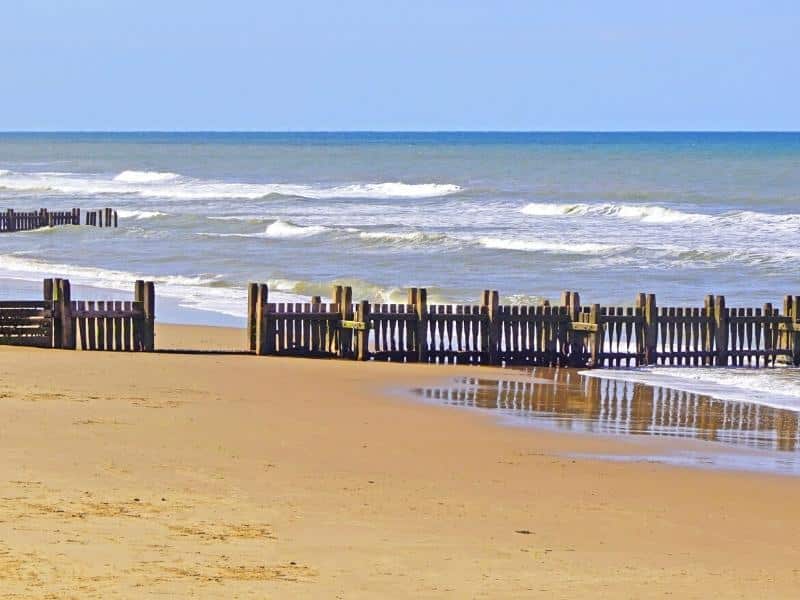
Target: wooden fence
column 57, row 321
column 542, row 335
column 11, row 220
column 26, row 323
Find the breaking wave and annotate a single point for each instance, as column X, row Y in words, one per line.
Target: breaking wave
column 145, row 177
column 139, row 214
column 545, row 246
column 644, row 213
column 284, row 229
column 201, row 292
column 171, row 186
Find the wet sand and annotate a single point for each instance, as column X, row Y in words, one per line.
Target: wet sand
column 228, row 476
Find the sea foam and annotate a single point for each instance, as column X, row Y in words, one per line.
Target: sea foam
column 172, row 186
column 201, row 292
column 145, row 177
column 284, row 229
column 644, row 213
column 139, row 214
column 546, row 246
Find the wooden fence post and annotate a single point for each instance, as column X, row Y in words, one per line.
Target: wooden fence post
column 261, row 323
column 317, row 333
column 784, row 337
column 708, row 340
column 140, row 328
column 47, row 290
column 576, row 338
column 47, row 294
column 494, row 327
column 346, row 311
column 768, row 337
column 252, row 297
column 795, row 335
column 411, row 333
column 641, row 301
column 650, row 329
column 362, row 336
column 721, row 322
column 485, row 326
column 597, row 336
column 149, row 316
column 335, row 333
column 422, row 325
column 65, row 313
column 12, row 223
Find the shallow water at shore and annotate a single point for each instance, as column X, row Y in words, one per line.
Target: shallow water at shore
column 712, row 432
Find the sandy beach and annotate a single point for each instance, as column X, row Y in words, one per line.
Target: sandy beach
column 230, row 476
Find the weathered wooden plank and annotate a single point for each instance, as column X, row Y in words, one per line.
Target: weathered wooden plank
column 91, row 334
column 80, row 323
column 25, row 304
column 101, row 327
column 117, row 320
column 129, row 335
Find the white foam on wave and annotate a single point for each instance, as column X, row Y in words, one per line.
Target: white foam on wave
column 644, row 213
column 171, row 186
column 278, row 230
column 139, row 214
column 394, row 189
column 776, row 387
column 250, row 218
column 546, row 246
column 400, row 237
column 284, row 229
column 361, row 289
column 200, row 292
column 145, row 176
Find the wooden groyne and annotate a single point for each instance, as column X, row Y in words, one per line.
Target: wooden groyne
column 488, row 333
column 11, row 220
column 58, row 321
column 485, row 333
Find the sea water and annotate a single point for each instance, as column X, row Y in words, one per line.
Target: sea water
column 530, row 214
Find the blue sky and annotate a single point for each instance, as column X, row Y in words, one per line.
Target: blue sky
column 386, row 65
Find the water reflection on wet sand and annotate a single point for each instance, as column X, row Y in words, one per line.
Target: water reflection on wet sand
column 566, row 400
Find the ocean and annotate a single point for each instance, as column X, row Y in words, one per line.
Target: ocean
column 530, row 214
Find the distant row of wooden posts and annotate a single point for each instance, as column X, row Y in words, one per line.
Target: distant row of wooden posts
column 11, row 220
column 489, row 333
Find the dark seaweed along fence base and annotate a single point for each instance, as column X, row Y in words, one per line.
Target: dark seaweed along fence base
column 11, row 220
column 57, row 321
column 489, row 333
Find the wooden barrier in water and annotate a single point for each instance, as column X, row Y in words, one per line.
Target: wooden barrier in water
column 12, row 221
column 58, row 321
column 489, row 333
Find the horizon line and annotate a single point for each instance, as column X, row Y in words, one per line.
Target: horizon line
column 329, row 131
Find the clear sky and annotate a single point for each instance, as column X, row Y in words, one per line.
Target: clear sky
column 399, row 65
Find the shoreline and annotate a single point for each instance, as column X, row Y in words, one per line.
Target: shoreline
column 221, row 475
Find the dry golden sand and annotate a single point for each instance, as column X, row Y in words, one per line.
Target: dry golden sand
column 213, row 476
